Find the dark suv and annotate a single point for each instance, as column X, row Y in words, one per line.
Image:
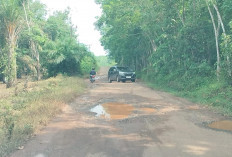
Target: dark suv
column 117, row 73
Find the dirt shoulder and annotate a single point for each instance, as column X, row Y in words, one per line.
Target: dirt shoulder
column 130, row 120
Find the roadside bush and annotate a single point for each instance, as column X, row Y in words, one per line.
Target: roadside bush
column 23, row 115
column 198, row 83
column 87, row 63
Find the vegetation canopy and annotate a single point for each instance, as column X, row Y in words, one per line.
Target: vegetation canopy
column 180, row 45
column 35, row 45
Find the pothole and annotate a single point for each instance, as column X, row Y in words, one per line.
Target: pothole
column 113, row 110
column 100, row 111
column 222, row 125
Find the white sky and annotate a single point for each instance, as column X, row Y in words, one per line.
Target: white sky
column 83, row 15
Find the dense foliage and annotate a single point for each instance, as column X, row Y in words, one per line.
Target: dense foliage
column 184, row 45
column 104, row 61
column 37, row 45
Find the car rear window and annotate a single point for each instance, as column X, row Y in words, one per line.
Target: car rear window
column 125, row 69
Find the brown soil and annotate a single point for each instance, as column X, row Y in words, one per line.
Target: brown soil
column 141, row 122
column 223, row 125
column 118, row 110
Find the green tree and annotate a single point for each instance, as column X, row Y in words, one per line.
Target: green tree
column 62, row 53
column 87, row 63
column 165, row 40
column 11, row 19
column 32, row 37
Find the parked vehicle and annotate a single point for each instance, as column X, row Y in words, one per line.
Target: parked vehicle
column 92, row 78
column 119, row 73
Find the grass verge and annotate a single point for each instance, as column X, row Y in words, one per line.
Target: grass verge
column 23, row 115
column 205, row 91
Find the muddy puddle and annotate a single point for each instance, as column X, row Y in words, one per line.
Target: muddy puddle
column 113, row 110
column 100, row 111
column 221, row 125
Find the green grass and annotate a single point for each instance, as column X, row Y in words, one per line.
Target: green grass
column 23, row 115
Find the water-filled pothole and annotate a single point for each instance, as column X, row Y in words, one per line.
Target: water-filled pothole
column 100, row 111
column 222, row 125
column 113, row 110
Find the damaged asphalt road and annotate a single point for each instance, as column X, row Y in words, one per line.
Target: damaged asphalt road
column 130, row 120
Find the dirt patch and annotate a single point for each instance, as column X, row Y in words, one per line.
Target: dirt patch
column 222, row 125
column 148, row 110
column 195, row 107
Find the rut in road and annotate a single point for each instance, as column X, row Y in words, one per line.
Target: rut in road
column 131, row 120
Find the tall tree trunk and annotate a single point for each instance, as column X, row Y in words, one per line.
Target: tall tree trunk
column 216, row 33
column 11, row 74
column 32, row 43
column 219, row 18
column 224, row 32
column 11, row 21
column 152, row 42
